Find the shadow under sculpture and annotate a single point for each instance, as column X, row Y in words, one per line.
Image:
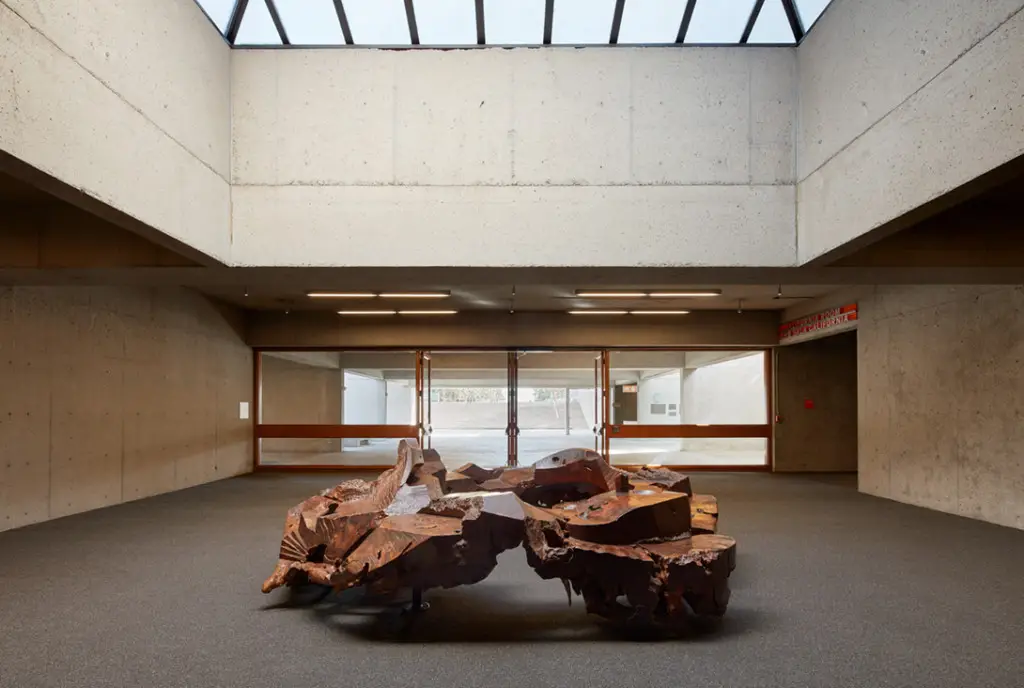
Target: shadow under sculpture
column 636, row 546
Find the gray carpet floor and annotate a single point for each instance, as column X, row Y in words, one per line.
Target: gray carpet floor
column 832, row 588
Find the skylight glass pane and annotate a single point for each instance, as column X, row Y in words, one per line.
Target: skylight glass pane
column 514, row 22
column 579, row 22
column 257, row 28
column 310, row 22
column 810, row 10
column 219, row 11
column 651, row 21
column 446, row 22
column 719, row 21
column 378, row 22
column 772, row 26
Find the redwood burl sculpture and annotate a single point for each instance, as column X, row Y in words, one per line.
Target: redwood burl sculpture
column 633, row 545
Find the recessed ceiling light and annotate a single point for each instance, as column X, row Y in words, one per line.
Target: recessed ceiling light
column 596, row 312
column 340, row 294
column 659, row 312
column 366, row 312
column 611, row 294
column 415, row 295
column 685, row 293
column 427, row 312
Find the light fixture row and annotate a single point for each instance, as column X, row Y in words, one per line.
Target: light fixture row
column 618, row 312
column 676, row 294
column 385, row 312
column 378, row 295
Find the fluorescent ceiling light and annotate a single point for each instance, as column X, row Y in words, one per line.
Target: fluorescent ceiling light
column 415, row 295
column 595, row 312
column 427, row 312
column 612, row 294
column 340, row 294
column 659, row 312
column 685, row 293
column 366, row 312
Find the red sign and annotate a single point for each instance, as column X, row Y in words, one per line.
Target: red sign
column 819, row 324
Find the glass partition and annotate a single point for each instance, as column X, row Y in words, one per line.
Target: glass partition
column 331, row 408
column 690, row 408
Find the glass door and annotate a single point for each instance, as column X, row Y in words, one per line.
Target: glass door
column 464, row 406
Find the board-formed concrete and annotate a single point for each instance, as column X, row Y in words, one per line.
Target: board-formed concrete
column 128, row 101
column 553, row 157
column 114, row 394
column 901, row 102
column 941, row 383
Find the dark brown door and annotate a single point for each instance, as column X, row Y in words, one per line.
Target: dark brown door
column 624, row 404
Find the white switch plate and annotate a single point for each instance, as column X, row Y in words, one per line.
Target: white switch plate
column 243, row 410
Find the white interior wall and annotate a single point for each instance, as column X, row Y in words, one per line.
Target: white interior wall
column 558, row 156
column 128, row 101
column 365, row 400
column 401, row 403
column 731, row 392
column 901, row 102
column 664, row 389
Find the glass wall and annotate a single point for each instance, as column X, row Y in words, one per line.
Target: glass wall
column 326, row 408
column 692, row 408
column 350, row 408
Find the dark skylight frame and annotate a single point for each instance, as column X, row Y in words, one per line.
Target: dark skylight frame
column 464, row 23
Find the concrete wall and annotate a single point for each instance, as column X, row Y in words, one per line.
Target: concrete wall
column 901, row 102
column 501, row 330
column 941, row 399
column 822, row 438
column 557, row 157
column 128, row 101
column 109, row 395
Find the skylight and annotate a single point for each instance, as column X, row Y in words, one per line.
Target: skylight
column 463, row 23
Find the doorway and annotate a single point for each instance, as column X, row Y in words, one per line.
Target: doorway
column 816, row 425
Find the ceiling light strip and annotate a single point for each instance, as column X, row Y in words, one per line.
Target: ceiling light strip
column 427, row 312
column 685, row 294
column 596, row 311
column 415, row 295
column 367, row 312
column 673, row 294
column 611, row 294
column 341, row 294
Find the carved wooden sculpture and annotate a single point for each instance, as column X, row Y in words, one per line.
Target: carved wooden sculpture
column 634, row 545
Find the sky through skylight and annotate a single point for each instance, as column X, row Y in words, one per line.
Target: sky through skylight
column 509, row 22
